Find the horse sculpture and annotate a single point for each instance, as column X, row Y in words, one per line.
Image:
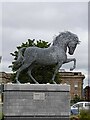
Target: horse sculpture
column 55, row 54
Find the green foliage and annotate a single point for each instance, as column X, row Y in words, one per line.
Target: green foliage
column 84, row 115
column 1, row 116
column 74, row 117
column 75, row 99
column 27, row 44
column 43, row 74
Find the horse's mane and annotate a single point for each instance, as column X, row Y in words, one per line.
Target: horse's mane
column 62, row 37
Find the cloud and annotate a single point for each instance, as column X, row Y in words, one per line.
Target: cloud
column 0, row 29
column 44, row 15
column 44, row 20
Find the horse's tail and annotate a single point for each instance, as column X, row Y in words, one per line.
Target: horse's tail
column 19, row 60
column 20, row 54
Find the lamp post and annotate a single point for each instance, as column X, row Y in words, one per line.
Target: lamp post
column 0, row 59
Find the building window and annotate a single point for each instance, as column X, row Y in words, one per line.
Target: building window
column 76, row 87
column 75, row 73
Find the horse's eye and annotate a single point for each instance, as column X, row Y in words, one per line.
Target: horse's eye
column 76, row 38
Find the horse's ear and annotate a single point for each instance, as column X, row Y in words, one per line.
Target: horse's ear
column 68, row 32
column 79, row 42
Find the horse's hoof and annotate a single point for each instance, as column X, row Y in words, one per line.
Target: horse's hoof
column 54, row 82
column 36, row 83
column 17, row 82
column 71, row 69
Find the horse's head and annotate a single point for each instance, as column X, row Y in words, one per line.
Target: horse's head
column 67, row 39
column 72, row 42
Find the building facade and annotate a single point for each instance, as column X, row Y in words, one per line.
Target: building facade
column 74, row 79
column 87, row 93
column 5, row 77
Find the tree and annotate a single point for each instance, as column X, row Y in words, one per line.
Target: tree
column 76, row 99
column 43, row 74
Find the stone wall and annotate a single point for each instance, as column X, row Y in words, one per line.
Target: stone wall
column 36, row 101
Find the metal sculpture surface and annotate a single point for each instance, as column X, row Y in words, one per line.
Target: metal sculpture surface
column 55, row 54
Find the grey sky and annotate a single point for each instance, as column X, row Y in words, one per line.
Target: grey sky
column 21, row 21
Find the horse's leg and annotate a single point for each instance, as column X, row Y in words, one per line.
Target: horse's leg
column 29, row 73
column 70, row 60
column 56, row 71
column 24, row 66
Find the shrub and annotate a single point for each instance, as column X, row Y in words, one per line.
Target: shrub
column 74, row 118
column 0, row 115
column 84, row 115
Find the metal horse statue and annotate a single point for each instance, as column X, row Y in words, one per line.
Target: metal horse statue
column 55, row 54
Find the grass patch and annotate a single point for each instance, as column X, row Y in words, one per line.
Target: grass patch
column 84, row 115
column 0, row 115
column 74, row 117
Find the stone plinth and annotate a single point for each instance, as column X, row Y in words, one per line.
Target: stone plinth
column 36, row 102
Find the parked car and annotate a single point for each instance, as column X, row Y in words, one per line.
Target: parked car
column 75, row 109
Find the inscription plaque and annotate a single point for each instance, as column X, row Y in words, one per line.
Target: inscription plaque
column 39, row 96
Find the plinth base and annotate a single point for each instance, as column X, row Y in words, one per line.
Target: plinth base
column 36, row 102
column 36, row 118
